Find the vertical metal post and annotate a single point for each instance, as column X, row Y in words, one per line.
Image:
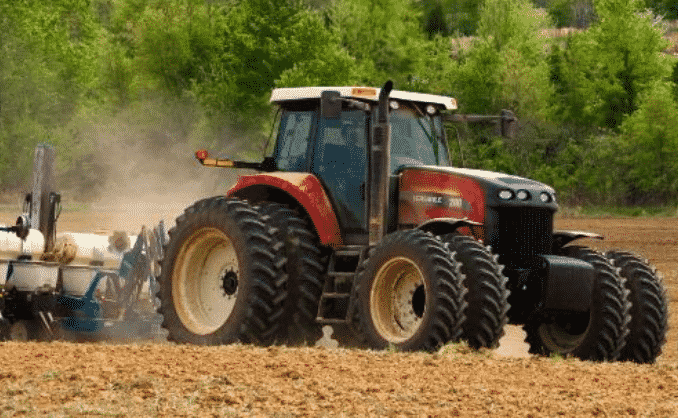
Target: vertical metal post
column 43, row 188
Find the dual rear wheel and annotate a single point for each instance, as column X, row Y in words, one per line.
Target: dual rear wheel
column 628, row 316
column 233, row 272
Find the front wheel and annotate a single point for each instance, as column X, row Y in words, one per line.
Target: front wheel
column 598, row 334
column 487, row 297
column 410, row 294
column 221, row 278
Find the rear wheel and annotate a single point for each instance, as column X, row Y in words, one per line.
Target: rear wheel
column 304, row 269
column 487, row 297
column 221, row 279
column 649, row 310
column 598, row 334
column 409, row 294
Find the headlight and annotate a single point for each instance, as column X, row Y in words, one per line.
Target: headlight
column 506, row 194
column 545, row 197
column 523, row 195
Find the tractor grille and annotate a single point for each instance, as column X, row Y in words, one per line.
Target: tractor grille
column 518, row 234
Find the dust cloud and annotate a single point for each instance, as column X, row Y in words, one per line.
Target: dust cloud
column 148, row 171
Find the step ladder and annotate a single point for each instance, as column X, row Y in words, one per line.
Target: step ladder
column 335, row 301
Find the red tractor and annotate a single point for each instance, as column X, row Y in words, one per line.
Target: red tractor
column 358, row 221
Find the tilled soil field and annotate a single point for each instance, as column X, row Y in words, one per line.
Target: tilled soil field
column 99, row 379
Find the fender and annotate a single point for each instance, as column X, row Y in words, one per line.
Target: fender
column 440, row 226
column 305, row 189
column 562, row 238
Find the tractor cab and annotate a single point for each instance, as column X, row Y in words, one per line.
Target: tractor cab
column 333, row 145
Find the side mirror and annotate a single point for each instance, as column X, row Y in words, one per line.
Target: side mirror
column 330, row 104
column 508, row 124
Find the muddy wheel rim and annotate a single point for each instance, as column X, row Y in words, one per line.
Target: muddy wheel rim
column 205, row 287
column 397, row 299
column 565, row 336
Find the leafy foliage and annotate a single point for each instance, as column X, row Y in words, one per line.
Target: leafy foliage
column 603, row 70
column 572, row 13
column 268, row 43
column 666, row 8
column 47, row 70
column 450, row 17
column 649, row 152
column 506, row 68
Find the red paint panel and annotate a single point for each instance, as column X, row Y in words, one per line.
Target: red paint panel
column 428, row 194
column 305, row 189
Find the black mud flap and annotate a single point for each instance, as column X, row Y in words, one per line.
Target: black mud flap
column 568, row 283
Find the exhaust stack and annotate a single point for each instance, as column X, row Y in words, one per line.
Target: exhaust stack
column 379, row 161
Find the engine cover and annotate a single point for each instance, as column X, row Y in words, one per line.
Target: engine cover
column 426, row 193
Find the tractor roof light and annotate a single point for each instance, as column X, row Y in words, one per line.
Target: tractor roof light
column 523, row 195
column 430, row 109
column 394, row 105
column 505, row 194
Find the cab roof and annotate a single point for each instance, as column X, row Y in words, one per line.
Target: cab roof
column 288, row 94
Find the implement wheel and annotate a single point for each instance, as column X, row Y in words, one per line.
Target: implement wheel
column 600, row 333
column 221, row 278
column 649, row 310
column 409, row 293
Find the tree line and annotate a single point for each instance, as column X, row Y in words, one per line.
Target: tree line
column 597, row 106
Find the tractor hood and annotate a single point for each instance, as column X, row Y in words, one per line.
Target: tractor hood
column 505, row 189
column 494, row 189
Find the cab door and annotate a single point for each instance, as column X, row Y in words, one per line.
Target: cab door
column 340, row 162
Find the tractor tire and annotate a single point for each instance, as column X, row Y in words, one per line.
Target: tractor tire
column 409, row 294
column 304, row 268
column 221, row 278
column 649, row 308
column 487, row 297
column 597, row 335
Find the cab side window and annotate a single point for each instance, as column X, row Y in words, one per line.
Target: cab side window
column 295, row 130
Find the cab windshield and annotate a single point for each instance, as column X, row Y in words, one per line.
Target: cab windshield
column 416, row 139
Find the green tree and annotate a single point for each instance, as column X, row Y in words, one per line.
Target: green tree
column 649, row 152
column 385, row 38
column 450, row 17
column 48, row 72
column 601, row 72
column 174, row 43
column 506, row 66
column 571, row 13
column 268, row 43
column 666, row 8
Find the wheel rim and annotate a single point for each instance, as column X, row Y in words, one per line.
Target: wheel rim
column 205, row 288
column 398, row 299
column 565, row 335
